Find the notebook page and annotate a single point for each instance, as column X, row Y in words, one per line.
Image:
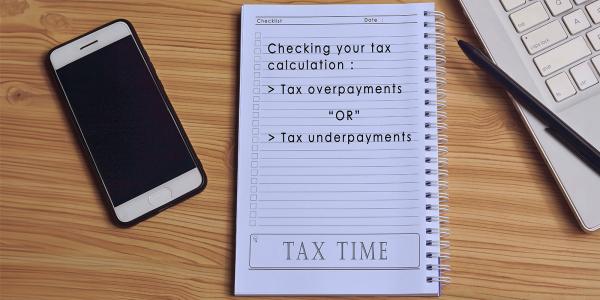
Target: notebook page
column 331, row 150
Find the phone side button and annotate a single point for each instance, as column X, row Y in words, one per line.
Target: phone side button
column 160, row 197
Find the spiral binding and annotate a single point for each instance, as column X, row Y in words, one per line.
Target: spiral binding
column 436, row 172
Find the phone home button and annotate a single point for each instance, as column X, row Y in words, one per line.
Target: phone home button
column 160, row 197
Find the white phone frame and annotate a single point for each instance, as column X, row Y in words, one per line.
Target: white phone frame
column 159, row 195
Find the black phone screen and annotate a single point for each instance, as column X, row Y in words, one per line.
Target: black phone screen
column 134, row 141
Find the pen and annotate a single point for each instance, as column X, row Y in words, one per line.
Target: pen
column 582, row 148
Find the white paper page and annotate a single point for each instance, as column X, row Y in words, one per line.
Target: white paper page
column 331, row 166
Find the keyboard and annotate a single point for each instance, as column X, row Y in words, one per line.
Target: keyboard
column 563, row 39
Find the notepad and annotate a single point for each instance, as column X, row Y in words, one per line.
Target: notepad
column 341, row 183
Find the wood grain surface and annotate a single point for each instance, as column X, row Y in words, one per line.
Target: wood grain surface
column 513, row 235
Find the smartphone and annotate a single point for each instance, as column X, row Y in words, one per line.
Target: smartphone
column 126, row 125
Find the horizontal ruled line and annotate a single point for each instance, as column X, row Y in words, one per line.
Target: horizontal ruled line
column 381, row 142
column 289, row 132
column 328, row 117
column 336, row 150
column 332, row 183
column 348, row 76
column 334, row 94
column 335, row 46
column 350, row 60
column 339, row 125
column 335, row 225
column 329, row 208
column 336, row 217
column 348, row 83
column 335, row 16
column 334, row 24
column 364, row 53
column 413, row 140
column 387, row 157
column 340, row 191
column 336, row 200
column 363, row 100
column 329, row 175
column 321, row 109
column 383, row 68
column 360, row 166
column 308, row 133
column 341, row 37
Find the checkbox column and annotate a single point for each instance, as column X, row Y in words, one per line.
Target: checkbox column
column 255, row 131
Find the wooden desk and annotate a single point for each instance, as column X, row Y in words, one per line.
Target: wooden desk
column 513, row 235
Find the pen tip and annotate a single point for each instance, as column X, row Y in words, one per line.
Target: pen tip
column 462, row 44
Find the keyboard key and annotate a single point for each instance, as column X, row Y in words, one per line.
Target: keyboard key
column 594, row 11
column 596, row 63
column 562, row 56
column 558, row 6
column 544, row 37
column 576, row 21
column 560, row 87
column 580, row 1
column 529, row 16
column 594, row 37
column 511, row 4
column 583, row 75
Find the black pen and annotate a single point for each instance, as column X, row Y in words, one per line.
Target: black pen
column 582, row 148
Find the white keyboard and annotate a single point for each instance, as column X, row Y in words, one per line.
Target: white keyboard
column 563, row 38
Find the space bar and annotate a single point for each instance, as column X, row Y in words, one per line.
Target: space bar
column 562, row 56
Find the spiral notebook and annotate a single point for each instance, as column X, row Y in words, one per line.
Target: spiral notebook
column 341, row 175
